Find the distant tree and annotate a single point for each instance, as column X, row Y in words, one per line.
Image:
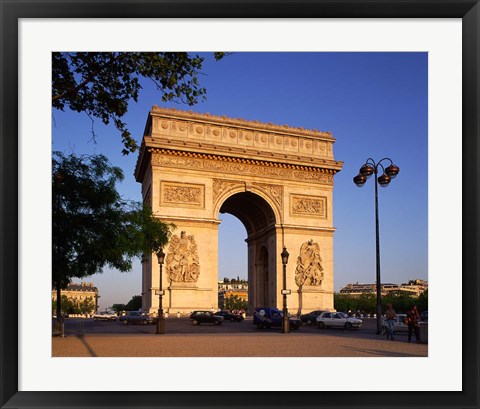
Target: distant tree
column 226, row 280
column 118, row 307
column 401, row 302
column 86, row 306
column 102, row 84
column 134, row 304
column 422, row 302
column 65, row 307
column 93, row 227
column 234, row 302
column 343, row 302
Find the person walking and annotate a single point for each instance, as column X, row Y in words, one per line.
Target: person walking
column 390, row 316
column 413, row 317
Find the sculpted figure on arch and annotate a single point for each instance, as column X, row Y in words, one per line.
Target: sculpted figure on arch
column 309, row 265
column 182, row 260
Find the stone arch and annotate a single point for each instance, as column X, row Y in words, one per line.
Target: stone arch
column 252, row 209
column 278, row 180
column 224, row 189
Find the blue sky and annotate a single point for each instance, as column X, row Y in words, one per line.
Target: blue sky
column 375, row 104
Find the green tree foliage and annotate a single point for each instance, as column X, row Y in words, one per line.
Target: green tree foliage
column 66, row 306
column 366, row 303
column 86, row 306
column 71, row 306
column 422, row 301
column 134, row 304
column 93, row 227
column 118, row 307
column 234, row 302
column 103, row 84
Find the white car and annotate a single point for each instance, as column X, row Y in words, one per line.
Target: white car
column 105, row 316
column 398, row 325
column 338, row 319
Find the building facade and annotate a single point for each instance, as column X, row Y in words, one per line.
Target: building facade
column 79, row 293
column 413, row 288
column 226, row 290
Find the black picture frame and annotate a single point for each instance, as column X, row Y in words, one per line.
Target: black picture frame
column 11, row 11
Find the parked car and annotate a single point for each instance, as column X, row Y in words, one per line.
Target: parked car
column 272, row 317
column 229, row 316
column 398, row 325
column 136, row 317
column 105, row 316
column 338, row 319
column 311, row 317
column 205, row 317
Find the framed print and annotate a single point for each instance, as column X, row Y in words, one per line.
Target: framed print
column 442, row 35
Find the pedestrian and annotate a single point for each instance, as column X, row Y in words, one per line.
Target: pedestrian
column 391, row 316
column 413, row 317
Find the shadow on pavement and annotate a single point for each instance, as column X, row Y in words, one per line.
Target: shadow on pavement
column 86, row 344
column 383, row 353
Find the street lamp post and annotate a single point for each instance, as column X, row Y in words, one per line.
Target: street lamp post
column 389, row 173
column 160, row 292
column 285, row 321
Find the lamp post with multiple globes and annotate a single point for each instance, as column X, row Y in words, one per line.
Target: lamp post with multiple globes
column 390, row 172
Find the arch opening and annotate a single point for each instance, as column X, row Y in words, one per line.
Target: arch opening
column 252, row 210
column 258, row 217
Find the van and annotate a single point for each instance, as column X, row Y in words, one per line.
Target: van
column 264, row 317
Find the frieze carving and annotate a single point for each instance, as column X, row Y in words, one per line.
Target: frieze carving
column 190, row 115
column 182, row 261
column 309, row 206
column 309, row 271
column 241, row 168
column 182, row 194
column 275, row 192
column 220, row 186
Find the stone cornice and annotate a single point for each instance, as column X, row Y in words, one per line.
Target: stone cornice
column 239, row 122
column 233, row 159
column 240, row 166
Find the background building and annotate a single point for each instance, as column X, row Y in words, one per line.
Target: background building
column 78, row 295
column 414, row 288
column 232, row 289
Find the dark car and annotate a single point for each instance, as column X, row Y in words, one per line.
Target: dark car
column 229, row 316
column 136, row 317
column 311, row 317
column 205, row 317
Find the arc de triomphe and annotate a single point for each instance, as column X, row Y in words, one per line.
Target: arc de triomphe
column 277, row 180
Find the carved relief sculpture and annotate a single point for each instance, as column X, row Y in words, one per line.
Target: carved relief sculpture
column 190, row 195
column 182, row 260
column 309, row 206
column 309, row 270
column 275, row 192
column 178, row 194
column 221, row 186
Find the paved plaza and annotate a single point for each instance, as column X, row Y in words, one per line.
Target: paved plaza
column 182, row 339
